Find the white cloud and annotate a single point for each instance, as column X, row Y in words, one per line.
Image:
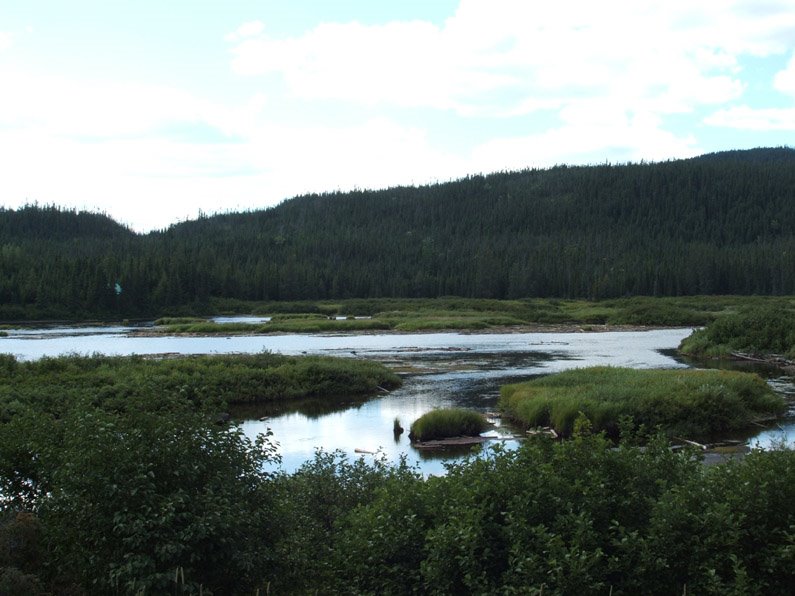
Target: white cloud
column 107, row 109
column 758, row 119
column 249, row 29
column 784, row 80
column 679, row 53
column 589, row 135
column 6, row 40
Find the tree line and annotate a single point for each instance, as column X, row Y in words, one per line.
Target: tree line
column 716, row 224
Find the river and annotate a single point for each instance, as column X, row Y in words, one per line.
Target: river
column 439, row 370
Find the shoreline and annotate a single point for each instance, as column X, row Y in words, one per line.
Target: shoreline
column 510, row 329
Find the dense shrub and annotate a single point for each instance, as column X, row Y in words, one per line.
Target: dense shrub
column 136, row 501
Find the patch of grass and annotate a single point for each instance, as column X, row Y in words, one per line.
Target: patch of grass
column 658, row 312
column 298, row 316
column 443, row 424
column 682, row 402
column 323, row 325
column 52, row 383
column 760, row 331
column 162, row 321
column 210, row 327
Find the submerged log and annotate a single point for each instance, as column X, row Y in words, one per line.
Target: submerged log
column 689, row 442
column 452, row 441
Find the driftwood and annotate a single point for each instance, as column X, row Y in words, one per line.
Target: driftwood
column 689, row 442
column 543, row 430
column 776, row 359
column 450, row 442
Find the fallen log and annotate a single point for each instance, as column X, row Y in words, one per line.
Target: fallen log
column 689, row 442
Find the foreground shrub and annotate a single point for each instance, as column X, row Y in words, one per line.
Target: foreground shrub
column 130, row 498
column 443, row 424
column 140, row 502
column 683, row 401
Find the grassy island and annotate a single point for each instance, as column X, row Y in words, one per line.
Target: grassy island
column 689, row 403
column 760, row 332
column 447, row 423
column 200, row 379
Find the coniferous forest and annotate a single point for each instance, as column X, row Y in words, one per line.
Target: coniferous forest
column 716, row 224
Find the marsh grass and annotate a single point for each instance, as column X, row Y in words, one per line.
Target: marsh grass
column 761, row 331
column 443, row 424
column 693, row 403
column 449, row 313
column 179, row 321
column 233, row 379
column 298, row 316
column 323, row 325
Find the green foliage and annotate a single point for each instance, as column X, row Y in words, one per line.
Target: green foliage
column 189, row 492
column 311, row 503
column 450, row 422
column 163, row 501
column 686, row 402
column 133, row 495
column 759, row 331
column 21, row 553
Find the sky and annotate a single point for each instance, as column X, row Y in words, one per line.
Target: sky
column 156, row 111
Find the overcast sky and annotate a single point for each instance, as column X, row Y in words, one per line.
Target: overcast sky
column 152, row 110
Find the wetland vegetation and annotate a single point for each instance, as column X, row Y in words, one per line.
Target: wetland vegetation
column 681, row 402
column 53, row 384
column 447, row 423
column 449, row 313
column 765, row 333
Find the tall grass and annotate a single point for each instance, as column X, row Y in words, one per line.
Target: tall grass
column 443, row 424
column 760, row 331
column 684, row 402
column 253, row 378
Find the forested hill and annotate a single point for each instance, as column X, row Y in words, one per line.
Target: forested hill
column 721, row 223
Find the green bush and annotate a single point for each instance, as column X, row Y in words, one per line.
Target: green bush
column 137, row 497
column 443, row 424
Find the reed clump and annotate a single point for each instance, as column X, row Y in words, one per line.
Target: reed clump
column 446, row 423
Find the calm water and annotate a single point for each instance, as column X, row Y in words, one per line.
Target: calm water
column 440, row 369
